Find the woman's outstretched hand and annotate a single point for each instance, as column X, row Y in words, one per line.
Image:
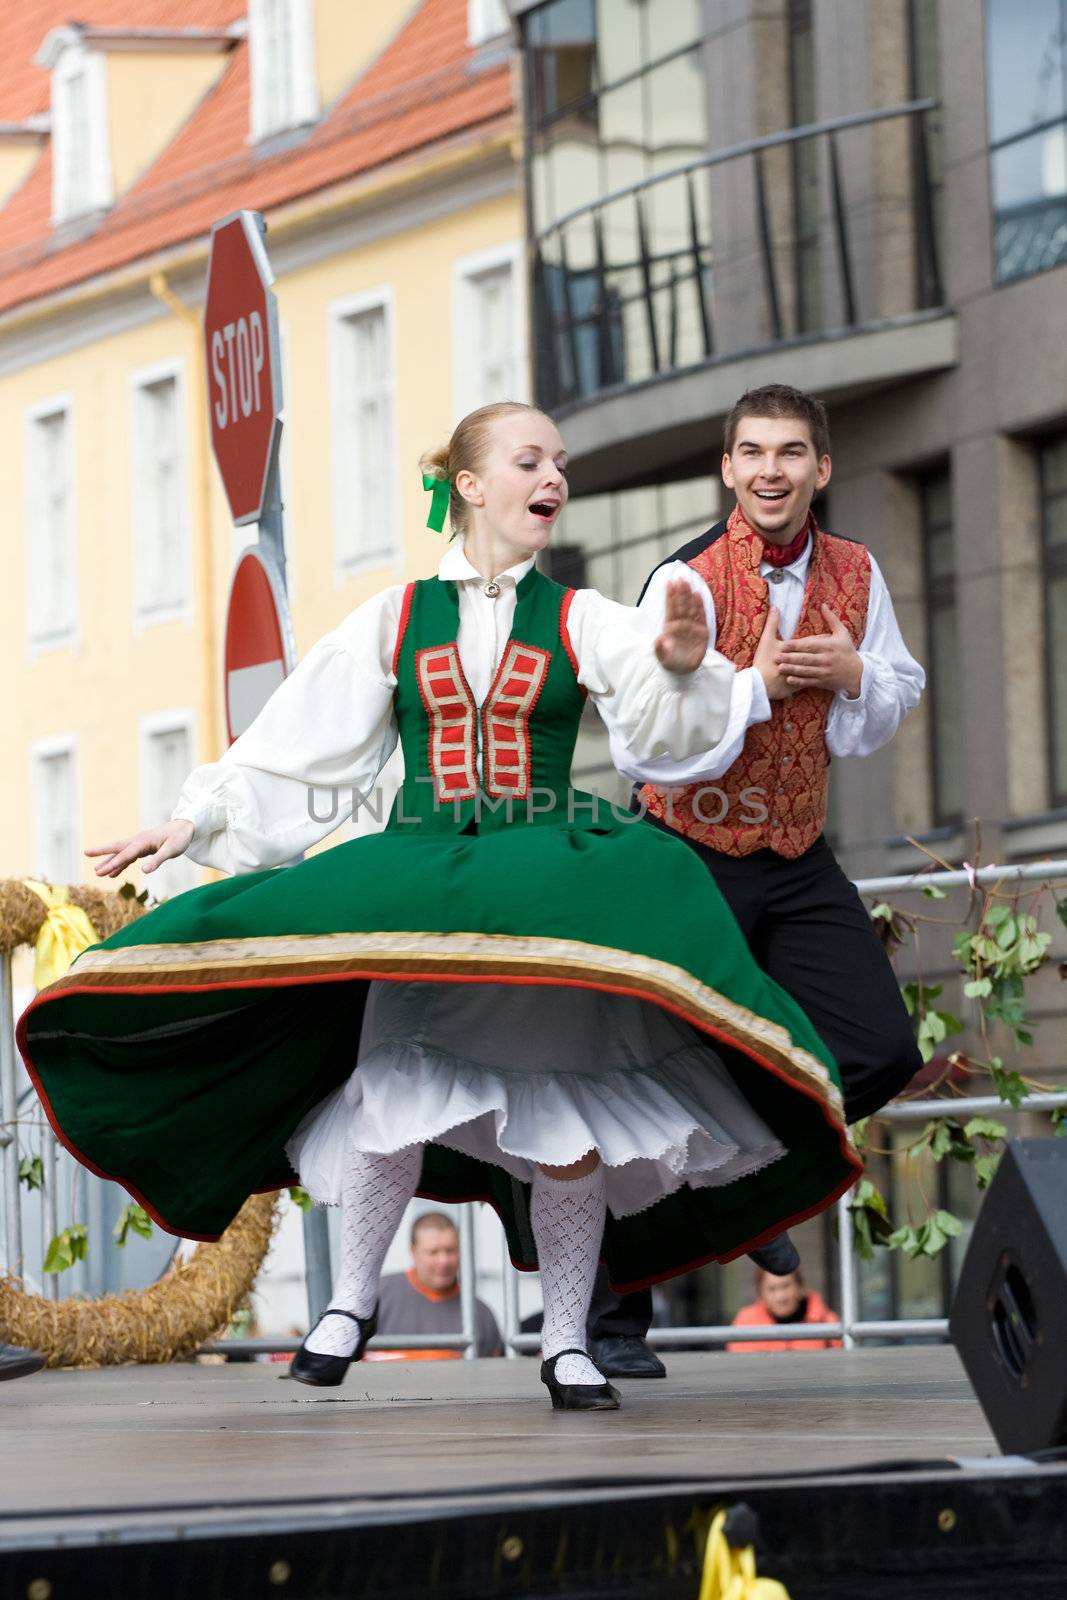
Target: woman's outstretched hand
column 684, row 640
column 152, row 846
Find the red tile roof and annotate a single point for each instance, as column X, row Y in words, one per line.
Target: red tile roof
column 426, row 86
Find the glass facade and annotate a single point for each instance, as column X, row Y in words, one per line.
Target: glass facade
column 1053, row 480
column 1027, row 110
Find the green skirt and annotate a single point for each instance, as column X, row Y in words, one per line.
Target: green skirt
column 178, row 1057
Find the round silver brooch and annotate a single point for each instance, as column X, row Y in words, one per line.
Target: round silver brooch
column 492, row 590
column 777, row 575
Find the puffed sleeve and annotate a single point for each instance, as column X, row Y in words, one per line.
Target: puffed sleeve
column 891, row 684
column 647, row 710
column 313, row 752
column 748, row 699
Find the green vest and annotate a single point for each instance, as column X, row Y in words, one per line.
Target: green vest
column 509, row 761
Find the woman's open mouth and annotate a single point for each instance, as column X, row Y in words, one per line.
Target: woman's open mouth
column 543, row 510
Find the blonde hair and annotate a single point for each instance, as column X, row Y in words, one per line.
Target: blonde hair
column 466, row 452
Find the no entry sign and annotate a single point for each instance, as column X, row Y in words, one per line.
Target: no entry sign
column 259, row 645
column 243, row 363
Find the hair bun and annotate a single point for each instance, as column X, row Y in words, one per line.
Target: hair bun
column 435, row 462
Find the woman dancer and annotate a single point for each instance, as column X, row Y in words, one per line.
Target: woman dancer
column 508, row 994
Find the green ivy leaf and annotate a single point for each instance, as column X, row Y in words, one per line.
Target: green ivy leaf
column 67, row 1248
column 300, row 1197
column 985, row 1170
column 985, row 1128
column 132, row 1218
column 933, row 892
column 996, row 916
column 870, row 1219
column 1059, row 1122
column 31, row 1172
column 978, row 988
column 1009, row 1085
column 1061, row 911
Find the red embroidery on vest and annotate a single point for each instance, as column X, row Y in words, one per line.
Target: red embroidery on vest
column 451, row 712
column 506, row 719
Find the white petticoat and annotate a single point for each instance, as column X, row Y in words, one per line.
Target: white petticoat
column 517, row 1075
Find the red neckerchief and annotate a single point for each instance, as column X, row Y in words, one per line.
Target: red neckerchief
column 783, row 555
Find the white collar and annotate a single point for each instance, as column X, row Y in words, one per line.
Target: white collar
column 796, row 569
column 455, row 567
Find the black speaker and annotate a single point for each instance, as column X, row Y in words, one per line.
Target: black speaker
column 1009, row 1315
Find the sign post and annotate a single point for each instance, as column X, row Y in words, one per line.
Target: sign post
column 244, row 397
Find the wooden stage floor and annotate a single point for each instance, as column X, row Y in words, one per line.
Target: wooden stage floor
column 114, row 1446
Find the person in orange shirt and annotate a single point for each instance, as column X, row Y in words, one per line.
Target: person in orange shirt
column 425, row 1299
column 783, row 1299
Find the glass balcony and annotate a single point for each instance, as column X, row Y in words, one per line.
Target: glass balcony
column 822, row 230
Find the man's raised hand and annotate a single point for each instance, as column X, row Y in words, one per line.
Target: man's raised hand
column 684, row 641
column 152, row 846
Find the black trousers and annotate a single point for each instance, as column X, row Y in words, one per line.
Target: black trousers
column 809, row 930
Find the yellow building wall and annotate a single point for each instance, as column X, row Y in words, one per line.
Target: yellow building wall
column 116, row 675
column 149, row 95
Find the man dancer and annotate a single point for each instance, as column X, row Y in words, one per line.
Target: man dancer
column 808, row 616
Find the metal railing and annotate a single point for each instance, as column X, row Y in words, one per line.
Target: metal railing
column 627, row 287
column 850, row 1328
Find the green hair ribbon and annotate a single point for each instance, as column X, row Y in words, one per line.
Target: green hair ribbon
column 441, row 489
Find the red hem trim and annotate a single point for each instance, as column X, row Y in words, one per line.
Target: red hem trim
column 565, row 638
column 402, row 627
column 719, row 1034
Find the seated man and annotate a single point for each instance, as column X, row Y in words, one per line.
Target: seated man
column 19, row 1363
column 783, row 1298
column 426, row 1298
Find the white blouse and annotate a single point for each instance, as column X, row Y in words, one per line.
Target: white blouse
column 328, row 730
column 891, row 685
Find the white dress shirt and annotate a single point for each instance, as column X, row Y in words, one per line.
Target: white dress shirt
column 331, row 726
column 891, row 684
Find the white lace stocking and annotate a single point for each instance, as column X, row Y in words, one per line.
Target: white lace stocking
column 567, row 1216
column 374, row 1193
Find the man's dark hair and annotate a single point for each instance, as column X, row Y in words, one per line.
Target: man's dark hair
column 431, row 1219
column 780, row 400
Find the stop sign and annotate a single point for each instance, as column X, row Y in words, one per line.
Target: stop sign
column 259, row 647
column 243, row 363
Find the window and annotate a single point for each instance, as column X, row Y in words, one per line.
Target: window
column 942, row 645
column 1052, row 470
column 489, row 324
column 166, row 761
column 81, row 157
column 928, row 157
column 282, row 51
column 486, row 19
column 158, row 498
column 1027, row 110
column 364, row 411
column 54, row 817
column 52, row 560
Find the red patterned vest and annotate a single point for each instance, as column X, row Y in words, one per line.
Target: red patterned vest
column 783, row 766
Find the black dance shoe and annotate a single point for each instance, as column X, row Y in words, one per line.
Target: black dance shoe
column 326, row 1372
column 778, row 1256
column 577, row 1396
column 18, row 1363
column 625, row 1355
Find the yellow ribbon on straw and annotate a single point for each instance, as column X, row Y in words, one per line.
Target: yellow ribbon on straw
column 730, row 1574
column 65, row 932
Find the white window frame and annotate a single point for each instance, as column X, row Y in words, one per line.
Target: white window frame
column 182, row 719
column 265, row 123
column 42, row 635
column 75, row 59
column 486, row 19
column 145, row 613
column 464, row 312
column 345, row 467
column 41, row 750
